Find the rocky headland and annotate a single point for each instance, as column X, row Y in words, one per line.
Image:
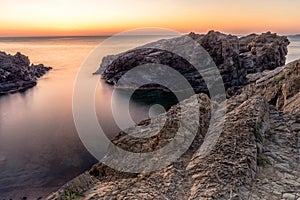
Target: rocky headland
column 256, row 156
column 17, row 73
column 235, row 58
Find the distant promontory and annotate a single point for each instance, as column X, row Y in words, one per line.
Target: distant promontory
column 17, row 73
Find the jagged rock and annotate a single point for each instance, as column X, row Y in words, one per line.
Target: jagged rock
column 293, row 104
column 235, row 58
column 278, row 176
column 262, row 52
column 112, row 179
column 255, row 157
column 16, row 73
column 257, row 153
column 280, row 87
column 224, row 50
column 226, row 173
column 230, row 168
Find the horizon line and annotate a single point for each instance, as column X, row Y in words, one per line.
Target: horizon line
column 73, row 36
column 109, row 35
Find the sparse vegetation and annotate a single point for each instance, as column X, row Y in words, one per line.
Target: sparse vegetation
column 280, row 78
column 204, row 108
column 258, row 136
column 72, row 195
column 262, row 160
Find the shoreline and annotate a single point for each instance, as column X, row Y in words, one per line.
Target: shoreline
column 10, row 88
column 253, row 120
column 25, row 89
column 255, row 104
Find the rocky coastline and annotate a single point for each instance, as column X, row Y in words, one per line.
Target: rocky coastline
column 18, row 74
column 257, row 154
column 235, row 58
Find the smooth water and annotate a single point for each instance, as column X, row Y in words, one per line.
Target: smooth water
column 39, row 146
column 293, row 48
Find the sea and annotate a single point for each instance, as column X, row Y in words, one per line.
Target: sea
column 40, row 149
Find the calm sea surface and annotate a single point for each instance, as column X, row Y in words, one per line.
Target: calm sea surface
column 39, row 146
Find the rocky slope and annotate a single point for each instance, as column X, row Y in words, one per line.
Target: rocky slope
column 257, row 155
column 235, row 58
column 16, row 73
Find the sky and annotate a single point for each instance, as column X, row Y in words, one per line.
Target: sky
column 105, row 17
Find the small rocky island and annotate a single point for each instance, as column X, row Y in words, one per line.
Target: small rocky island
column 17, row 74
column 257, row 154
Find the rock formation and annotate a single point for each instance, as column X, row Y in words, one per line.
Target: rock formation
column 255, row 157
column 235, row 58
column 16, row 73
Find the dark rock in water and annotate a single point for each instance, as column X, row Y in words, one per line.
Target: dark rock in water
column 16, row 73
column 235, row 58
column 139, row 57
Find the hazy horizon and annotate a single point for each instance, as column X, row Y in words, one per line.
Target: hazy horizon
column 109, row 35
column 99, row 17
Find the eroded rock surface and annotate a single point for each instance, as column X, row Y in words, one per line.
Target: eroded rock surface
column 257, row 155
column 278, row 177
column 16, row 73
column 280, row 87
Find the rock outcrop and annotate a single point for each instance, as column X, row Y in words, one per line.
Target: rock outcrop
column 255, row 157
column 262, row 52
column 235, row 58
column 16, row 73
column 280, row 87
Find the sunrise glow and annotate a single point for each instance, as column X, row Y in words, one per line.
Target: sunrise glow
column 101, row 17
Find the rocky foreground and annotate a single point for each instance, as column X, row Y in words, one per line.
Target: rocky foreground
column 17, row 74
column 257, row 155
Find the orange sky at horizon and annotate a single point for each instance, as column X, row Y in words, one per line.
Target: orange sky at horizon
column 100, row 17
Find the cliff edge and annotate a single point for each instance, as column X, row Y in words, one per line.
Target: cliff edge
column 256, row 155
